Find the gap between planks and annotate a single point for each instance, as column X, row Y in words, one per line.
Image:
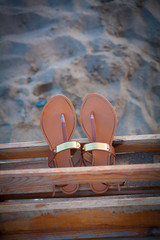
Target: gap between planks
column 85, row 191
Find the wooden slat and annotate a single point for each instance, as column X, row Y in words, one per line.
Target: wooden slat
column 23, row 164
column 34, row 149
column 37, row 149
column 36, row 180
column 137, row 143
column 105, row 214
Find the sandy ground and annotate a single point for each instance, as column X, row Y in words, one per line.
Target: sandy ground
column 75, row 48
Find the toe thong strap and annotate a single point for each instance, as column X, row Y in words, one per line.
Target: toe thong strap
column 97, row 145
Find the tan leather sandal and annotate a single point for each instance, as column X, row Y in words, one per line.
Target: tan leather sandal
column 58, row 123
column 99, row 122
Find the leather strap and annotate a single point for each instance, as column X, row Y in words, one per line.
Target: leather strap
column 93, row 126
column 61, row 147
column 99, row 146
column 96, row 146
column 102, row 145
column 64, row 128
column 51, row 156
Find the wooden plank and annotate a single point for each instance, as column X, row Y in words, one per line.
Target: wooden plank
column 82, row 214
column 23, row 164
column 36, row 180
column 38, row 149
column 137, row 143
column 35, row 149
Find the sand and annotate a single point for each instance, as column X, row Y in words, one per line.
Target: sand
column 75, row 48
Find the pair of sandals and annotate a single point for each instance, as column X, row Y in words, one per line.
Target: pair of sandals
column 98, row 121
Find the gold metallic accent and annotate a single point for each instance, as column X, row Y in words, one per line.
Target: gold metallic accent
column 96, row 146
column 67, row 145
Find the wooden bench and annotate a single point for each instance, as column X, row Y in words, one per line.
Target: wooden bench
column 28, row 211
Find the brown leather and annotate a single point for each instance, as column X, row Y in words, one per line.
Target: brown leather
column 105, row 124
column 51, row 127
column 64, row 131
column 93, row 127
column 51, row 157
column 76, row 159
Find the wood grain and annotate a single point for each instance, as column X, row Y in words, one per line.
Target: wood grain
column 74, row 217
column 36, row 149
column 82, row 214
column 38, row 180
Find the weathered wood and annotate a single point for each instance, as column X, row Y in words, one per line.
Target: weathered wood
column 37, row 149
column 36, row 180
column 88, row 214
column 33, row 149
column 113, row 214
column 137, row 143
column 23, row 164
